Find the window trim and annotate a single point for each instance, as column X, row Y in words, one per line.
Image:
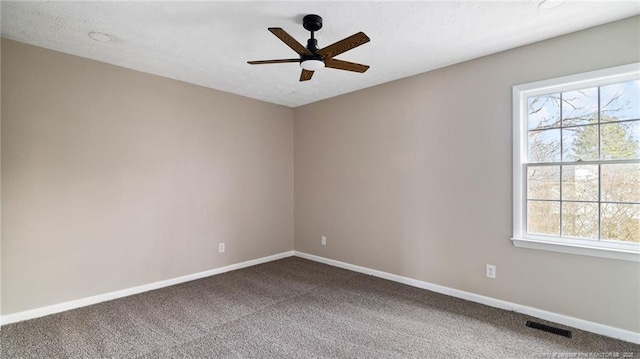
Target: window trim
column 613, row 250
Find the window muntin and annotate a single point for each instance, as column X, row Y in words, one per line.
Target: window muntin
column 583, row 163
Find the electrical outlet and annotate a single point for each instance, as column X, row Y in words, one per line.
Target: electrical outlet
column 491, row 271
column 323, row 240
column 221, row 248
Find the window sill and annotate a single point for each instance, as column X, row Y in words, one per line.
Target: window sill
column 585, row 250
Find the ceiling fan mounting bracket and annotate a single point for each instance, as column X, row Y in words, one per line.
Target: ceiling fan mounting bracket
column 312, row 22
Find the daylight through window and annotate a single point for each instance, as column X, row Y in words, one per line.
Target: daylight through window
column 580, row 160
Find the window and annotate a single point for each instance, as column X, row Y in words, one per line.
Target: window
column 576, row 175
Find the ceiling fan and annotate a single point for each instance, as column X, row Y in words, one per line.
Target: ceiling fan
column 312, row 58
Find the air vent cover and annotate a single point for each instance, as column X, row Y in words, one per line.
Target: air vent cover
column 550, row 329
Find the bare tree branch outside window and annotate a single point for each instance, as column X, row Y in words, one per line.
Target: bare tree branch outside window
column 597, row 200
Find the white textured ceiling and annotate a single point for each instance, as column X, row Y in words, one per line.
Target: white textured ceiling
column 209, row 43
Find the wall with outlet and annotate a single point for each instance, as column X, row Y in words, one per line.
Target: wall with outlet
column 113, row 178
column 413, row 178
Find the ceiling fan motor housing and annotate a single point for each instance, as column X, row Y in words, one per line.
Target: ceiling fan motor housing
column 312, row 45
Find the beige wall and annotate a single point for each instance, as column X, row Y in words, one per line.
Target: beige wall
column 113, row 178
column 413, row 178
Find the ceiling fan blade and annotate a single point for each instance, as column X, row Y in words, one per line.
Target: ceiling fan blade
column 343, row 45
column 290, row 41
column 306, row 75
column 345, row 65
column 261, row 62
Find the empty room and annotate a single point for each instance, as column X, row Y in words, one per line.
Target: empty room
column 302, row 179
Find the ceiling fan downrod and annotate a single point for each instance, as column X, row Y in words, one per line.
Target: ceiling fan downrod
column 312, row 23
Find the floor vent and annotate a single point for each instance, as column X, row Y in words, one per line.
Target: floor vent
column 550, row 329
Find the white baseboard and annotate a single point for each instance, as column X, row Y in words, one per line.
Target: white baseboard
column 582, row 324
column 61, row 307
column 593, row 327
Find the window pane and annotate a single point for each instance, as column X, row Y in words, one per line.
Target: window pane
column 543, row 182
column 620, row 101
column 543, row 111
column 580, row 183
column 580, row 220
column 544, row 146
column 580, row 107
column 620, row 182
column 620, row 222
column 620, row 140
column 580, row 143
column 543, row 217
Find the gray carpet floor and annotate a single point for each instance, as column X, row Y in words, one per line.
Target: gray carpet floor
column 294, row 308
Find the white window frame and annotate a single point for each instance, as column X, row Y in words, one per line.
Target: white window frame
column 613, row 250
